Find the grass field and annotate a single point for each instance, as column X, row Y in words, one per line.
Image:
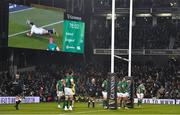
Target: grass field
column 42, row 18
column 81, row 108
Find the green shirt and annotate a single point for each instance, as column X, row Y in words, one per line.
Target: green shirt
column 105, row 85
column 68, row 80
column 141, row 89
column 52, row 47
column 60, row 85
column 123, row 87
column 118, row 87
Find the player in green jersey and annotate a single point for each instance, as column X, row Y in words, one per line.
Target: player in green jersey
column 104, row 93
column 119, row 94
column 124, row 90
column 68, row 90
column 140, row 93
column 60, row 91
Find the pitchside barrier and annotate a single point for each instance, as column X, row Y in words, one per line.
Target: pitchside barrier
column 12, row 100
column 159, row 101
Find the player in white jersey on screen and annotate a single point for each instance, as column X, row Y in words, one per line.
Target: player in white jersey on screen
column 38, row 30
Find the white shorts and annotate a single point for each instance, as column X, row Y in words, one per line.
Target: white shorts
column 125, row 94
column 140, row 95
column 68, row 91
column 37, row 30
column 104, row 93
column 60, row 93
column 119, row 95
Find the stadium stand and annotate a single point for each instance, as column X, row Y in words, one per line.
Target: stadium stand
column 160, row 81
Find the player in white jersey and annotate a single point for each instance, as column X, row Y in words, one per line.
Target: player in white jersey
column 38, row 30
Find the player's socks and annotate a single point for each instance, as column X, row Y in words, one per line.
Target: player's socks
column 93, row 104
column 125, row 105
column 106, row 103
column 138, row 102
column 103, row 103
column 54, row 31
column 16, row 106
column 73, row 103
column 70, row 105
column 59, row 106
column 59, row 103
column 65, row 105
column 89, row 102
column 50, row 31
column 121, row 103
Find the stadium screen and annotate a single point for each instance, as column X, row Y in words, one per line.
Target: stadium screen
column 45, row 29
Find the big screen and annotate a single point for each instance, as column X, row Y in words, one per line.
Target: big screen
column 44, row 29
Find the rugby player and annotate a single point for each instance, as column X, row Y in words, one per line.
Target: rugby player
column 140, row 93
column 17, row 86
column 92, row 93
column 104, row 93
column 38, row 30
column 124, row 90
column 60, row 91
column 68, row 91
column 119, row 94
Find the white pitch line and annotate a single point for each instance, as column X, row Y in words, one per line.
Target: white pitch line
column 83, row 112
column 12, row 35
column 21, row 10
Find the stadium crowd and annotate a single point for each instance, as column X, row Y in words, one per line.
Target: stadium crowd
column 160, row 82
column 165, row 35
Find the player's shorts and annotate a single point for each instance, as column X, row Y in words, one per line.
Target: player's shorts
column 104, row 93
column 119, row 94
column 140, row 95
column 60, row 93
column 125, row 94
column 68, row 91
column 40, row 31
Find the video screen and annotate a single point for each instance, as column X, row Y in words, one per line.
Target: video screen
column 43, row 29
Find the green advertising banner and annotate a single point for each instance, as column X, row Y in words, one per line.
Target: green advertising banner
column 73, row 36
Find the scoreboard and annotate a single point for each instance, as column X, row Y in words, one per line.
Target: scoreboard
column 73, row 36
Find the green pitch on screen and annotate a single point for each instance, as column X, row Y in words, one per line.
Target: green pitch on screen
column 50, row 19
column 73, row 36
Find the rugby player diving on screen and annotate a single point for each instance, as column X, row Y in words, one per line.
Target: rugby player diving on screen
column 38, row 30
